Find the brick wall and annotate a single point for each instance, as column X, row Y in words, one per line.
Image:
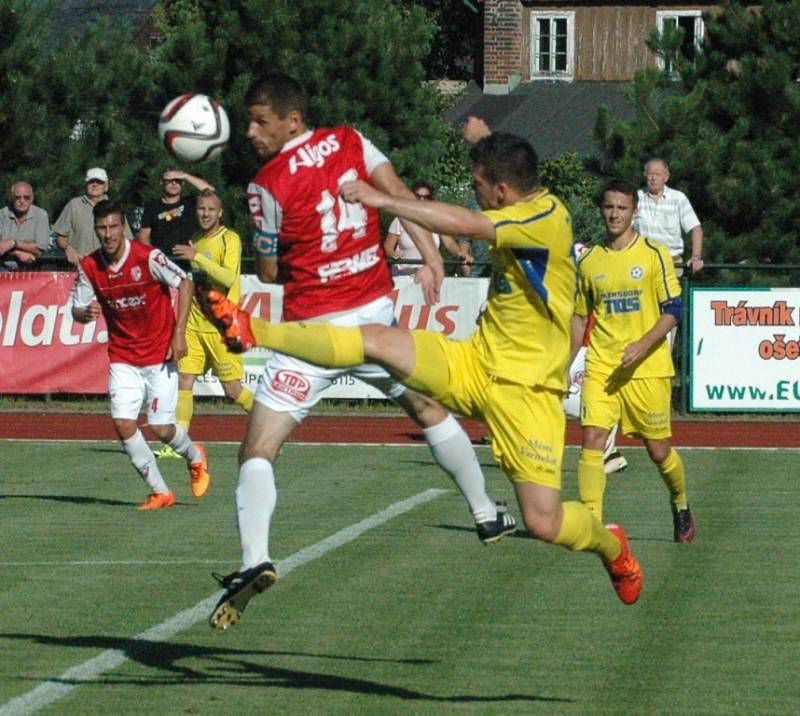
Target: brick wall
column 502, row 37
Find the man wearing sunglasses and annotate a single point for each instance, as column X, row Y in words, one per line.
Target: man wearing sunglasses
column 74, row 228
column 172, row 219
column 24, row 228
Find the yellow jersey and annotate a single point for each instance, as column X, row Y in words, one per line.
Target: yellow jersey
column 220, row 256
column 524, row 333
column 625, row 289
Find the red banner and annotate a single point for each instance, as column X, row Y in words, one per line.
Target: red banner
column 42, row 349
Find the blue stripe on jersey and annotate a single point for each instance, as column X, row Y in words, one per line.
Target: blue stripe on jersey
column 649, row 244
column 534, row 264
column 529, row 220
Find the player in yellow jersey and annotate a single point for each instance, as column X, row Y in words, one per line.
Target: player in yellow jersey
column 630, row 284
column 217, row 251
column 512, row 372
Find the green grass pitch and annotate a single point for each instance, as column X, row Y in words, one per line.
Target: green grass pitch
column 414, row 616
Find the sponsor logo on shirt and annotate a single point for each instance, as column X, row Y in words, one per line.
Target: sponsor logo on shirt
column 292, row 384
column 354, row 264
column 313, row 155
column 128, row 302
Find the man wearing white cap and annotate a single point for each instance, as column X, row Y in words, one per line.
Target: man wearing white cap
column 74, row 229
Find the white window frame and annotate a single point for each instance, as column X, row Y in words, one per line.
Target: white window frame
column 699, row 27
column 564, row 75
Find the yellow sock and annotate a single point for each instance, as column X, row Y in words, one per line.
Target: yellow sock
column 581, row 531
column 245, row 400
column 674, row 478
column 319, row 343
column 592, row 480
column 185, row 408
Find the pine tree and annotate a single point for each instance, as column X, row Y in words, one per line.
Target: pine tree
column 26, row 139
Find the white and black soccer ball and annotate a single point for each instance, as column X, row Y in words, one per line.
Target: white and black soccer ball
column 194, row 127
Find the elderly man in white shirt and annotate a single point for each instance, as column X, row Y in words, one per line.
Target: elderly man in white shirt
column 665, row 215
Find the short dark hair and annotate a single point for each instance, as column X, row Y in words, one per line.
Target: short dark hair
column 106, row 207
column 278, row 90
column 620, row 186
column 505, row 157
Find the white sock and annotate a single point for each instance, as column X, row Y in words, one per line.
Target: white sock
column 453, row 451
column 256, row 497
column 611, row 442
column 145, row 462
column 183, row 445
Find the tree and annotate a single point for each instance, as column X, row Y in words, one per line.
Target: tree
column 26, row 140
column 728, row 122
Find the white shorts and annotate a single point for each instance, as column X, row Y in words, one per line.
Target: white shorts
column 572, row 403
column 129, row 386
column 290, row 385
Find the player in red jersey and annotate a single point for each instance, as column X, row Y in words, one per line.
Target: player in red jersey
column 328, row 255
column 130, row 282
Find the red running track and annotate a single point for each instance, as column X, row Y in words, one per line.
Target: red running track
column 380, row 429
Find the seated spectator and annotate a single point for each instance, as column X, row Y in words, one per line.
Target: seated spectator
column 74, row 228
column 398, row 244
column 172, row 219
column 24, row 228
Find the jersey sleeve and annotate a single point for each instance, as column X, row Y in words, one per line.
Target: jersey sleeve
column 267, row 215
column 395, row 227
column 373, row 157
column 164, row 270
column 667, row 284
column 226, row 273
column 82, row 291
column 583, row 302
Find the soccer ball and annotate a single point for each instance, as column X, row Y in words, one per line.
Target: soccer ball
column 194, row 127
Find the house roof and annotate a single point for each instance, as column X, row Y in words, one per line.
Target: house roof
column 556, row 117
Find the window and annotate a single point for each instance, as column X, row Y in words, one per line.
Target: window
column 552, row 45
column 691, row 22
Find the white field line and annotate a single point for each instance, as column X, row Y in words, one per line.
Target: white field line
column 50, row 691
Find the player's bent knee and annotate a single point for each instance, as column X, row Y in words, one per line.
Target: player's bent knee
column 543, row 527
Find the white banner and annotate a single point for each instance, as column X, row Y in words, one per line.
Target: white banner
column 455, row 316
column 745, row 350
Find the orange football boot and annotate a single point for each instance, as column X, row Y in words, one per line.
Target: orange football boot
column 625, row 572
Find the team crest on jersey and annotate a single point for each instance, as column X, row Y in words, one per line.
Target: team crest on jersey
column 136, row 273
column 295, row 385
column 637, row 272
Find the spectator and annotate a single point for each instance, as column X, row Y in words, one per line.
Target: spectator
column 172, row 219
column 74, row 228
column 24, row 228
column 666, row 214
column 399, row 245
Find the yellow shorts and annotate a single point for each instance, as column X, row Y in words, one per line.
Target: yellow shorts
column 206, row 350
column 641, row 405
column 526, row 423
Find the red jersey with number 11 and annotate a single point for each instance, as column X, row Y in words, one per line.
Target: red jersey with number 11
column 330, row 253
